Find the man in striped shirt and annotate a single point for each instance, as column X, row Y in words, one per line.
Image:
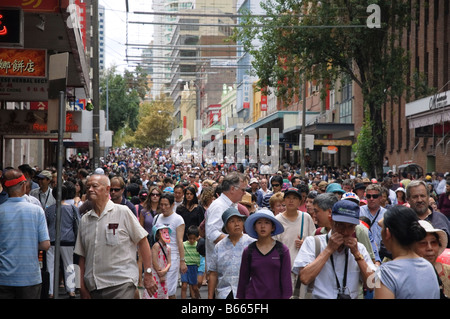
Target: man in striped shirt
column 23, row 232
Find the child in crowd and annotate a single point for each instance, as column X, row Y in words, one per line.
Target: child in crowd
column 160, row 261
column 192, row 262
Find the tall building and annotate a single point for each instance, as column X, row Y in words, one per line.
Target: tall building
column 101, row 37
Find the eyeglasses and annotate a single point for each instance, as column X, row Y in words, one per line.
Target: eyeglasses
column 115, row 189
column 374, row 196
column 155, row 194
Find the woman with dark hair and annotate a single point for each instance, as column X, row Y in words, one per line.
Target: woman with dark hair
column 190, row 210
column 80, row 193
column 407, row 276
column 176, row 224
column 150, row 208
column 444, row 200
column 70, row 217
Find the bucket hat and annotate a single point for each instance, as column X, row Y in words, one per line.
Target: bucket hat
column 262, row 213
column 227, row 214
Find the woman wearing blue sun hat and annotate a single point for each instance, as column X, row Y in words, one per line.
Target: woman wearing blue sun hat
column 266, row 264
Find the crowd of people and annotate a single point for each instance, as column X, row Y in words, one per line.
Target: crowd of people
column 140, row 220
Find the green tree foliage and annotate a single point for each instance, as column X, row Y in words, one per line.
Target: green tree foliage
column 322, row 40
column 125, row 93
column 155, row 123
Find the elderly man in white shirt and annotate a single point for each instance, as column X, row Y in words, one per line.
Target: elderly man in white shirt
column 342, row 265
column 106, row 243
column 233, row 188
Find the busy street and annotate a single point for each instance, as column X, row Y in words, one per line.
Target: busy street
column 221, row 154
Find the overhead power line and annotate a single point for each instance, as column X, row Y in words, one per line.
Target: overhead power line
column 254, row 25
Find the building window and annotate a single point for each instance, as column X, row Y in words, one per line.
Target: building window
column 345, row 109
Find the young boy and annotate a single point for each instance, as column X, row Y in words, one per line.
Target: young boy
column 192, row 258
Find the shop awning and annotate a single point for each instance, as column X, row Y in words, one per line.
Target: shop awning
column 270, row 118
column 429, row 118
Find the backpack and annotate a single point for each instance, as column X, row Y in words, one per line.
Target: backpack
column 302, row 291
column 150, row 238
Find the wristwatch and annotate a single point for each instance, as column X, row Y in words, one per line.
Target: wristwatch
column 359, row 257
column 148, row 271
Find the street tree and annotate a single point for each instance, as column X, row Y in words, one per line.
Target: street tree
column 327, row 40
column 124, row 92
column 156, row 123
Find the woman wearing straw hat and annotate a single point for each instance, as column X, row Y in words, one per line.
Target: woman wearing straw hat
column 430, row 248
column 266, row 264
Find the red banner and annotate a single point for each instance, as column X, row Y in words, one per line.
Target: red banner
column 263, row 102
column 246, row 105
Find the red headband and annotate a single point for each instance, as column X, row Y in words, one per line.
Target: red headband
column 13, row 182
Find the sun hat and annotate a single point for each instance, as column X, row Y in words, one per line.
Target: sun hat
column 262, row 213
column 45, row 174
column 335, row 188
column 443, row 240
column 351, row 196
column 156, row 228
column 227, row 214
column 246, row 199
column 345, row 211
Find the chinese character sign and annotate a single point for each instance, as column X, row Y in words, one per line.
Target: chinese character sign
column 22, row 63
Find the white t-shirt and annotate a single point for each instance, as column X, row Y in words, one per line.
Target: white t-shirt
column 173, row 221
column 293, row 229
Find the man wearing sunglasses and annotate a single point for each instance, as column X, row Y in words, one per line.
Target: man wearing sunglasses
column 373, row 211
column 116, row 193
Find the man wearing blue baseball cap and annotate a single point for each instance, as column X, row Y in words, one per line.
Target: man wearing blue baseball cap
column 341, row 257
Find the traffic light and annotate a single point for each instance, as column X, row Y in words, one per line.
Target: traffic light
column 11, row 27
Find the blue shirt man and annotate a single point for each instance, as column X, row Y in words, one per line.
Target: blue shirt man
column 23, row 232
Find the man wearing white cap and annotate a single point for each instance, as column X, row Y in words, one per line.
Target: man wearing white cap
column 254, row 187
column 341, row 258
column 44, row 192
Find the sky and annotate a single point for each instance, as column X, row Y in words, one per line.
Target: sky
column 116, row 29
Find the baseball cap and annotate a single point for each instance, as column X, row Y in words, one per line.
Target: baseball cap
column 45, row 174
column 253, row 180
column 359, row 186
column 351, row 196
column 293, row 190
column 156, row 228
column 345, row 211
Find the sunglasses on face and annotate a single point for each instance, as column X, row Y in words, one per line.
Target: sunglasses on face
column 374, row 196
column 115, row 189
column 155, row 194
column 275, row 185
